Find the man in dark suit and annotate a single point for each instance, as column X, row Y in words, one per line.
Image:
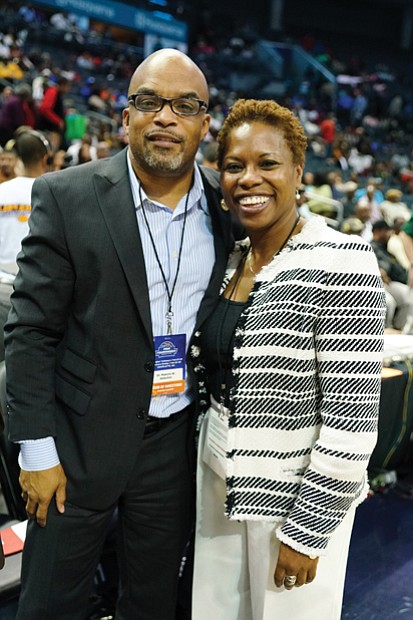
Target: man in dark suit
column 124, row 258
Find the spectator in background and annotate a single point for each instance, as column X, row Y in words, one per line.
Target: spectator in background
column 369, row 200
column 102, row 150
column 28, row 13
column 4, row 46
column 60, row 21
column 341, row 152
column 51, row 111
column 301, row 202
column 335, row 180
column 84, row 154
column 320, row 194
column 61, row 160
column 377, row 184
column 75, row 148
column 348, row 190
column 34, row 151
column 406, row 237
column 352, row 226
column 362, row 212
column 398, row 294
column 328, row 133
column 344, row 105
column 395, row 244
column 6, row 93
column 210, row 155
column 8, row 163
column 359, row 107
column 393, row 207
column 360, row 161
column 308, row 179
column 39, row 85
column 96, row 103
column 17, row 111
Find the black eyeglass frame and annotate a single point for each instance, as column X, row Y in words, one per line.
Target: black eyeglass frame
column 169, row 101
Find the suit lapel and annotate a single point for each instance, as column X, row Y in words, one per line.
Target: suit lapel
column 116, row 203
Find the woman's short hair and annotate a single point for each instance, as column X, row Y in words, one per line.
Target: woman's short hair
column 270, row 113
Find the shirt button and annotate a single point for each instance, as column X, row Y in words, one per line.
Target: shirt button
column 148, row 367
column 141, row 414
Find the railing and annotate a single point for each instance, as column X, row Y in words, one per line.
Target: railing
column 267, row 54
column 297, row 62
column 336, row 205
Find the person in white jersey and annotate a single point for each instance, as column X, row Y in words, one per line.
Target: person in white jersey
column 33, row 149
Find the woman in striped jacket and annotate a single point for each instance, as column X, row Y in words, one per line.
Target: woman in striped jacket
column 288, row 370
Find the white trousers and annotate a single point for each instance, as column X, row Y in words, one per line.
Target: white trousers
column 235, row 563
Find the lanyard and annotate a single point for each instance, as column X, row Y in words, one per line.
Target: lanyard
column 169, row 314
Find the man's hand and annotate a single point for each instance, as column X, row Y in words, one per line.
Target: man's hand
column 38, row 488
column 291, row 563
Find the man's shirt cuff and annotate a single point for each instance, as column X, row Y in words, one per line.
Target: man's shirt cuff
column 38, row 454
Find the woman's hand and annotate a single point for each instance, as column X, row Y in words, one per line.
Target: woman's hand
column 292, row 564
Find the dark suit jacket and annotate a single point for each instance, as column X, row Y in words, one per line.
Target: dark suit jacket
column 79, row 346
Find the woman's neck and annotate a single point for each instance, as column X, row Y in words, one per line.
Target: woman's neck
column 266, row 245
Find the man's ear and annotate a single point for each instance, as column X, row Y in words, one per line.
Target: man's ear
column 205, row 125
column 125, row 120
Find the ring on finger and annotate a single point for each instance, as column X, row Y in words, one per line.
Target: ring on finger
column 290, row 580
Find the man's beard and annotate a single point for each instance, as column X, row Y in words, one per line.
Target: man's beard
column 160, row 162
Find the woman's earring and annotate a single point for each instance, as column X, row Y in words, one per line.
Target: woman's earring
column 297, row 194
column 224, row 205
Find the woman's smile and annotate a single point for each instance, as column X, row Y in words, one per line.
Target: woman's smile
column 253, row 204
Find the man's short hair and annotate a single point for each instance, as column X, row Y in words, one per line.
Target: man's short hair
column 31, row 147
column 380, row 225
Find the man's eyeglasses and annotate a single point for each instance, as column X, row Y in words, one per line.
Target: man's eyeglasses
column 182, row 106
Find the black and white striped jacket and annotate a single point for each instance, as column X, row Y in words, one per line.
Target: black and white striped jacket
column 304, row 407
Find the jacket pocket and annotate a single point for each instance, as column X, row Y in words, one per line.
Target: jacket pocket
column 71, row 396
column 78, row 366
